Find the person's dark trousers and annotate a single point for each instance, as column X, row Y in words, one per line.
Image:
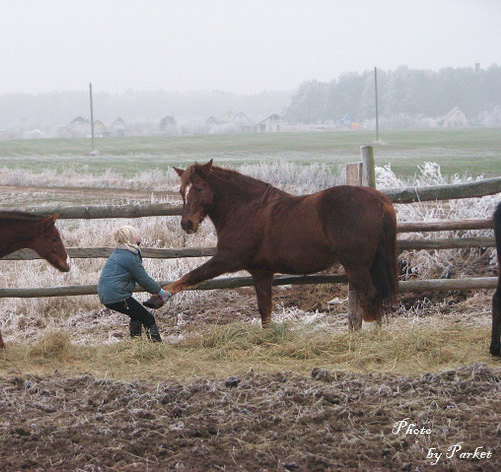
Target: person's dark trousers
column 138, row 314
column 135, row 328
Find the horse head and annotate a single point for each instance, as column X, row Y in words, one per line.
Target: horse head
column 197, row 195
column 47, row 243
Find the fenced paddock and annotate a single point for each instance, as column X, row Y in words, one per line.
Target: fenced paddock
column 401, row 196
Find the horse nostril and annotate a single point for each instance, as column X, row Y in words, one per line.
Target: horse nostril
column 189, row 224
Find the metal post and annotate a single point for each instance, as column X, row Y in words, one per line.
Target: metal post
column 377, row 114
column 91, row 119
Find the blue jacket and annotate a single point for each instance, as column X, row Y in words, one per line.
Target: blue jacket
column 120, row 274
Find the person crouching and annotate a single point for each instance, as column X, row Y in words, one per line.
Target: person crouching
column 121, row 272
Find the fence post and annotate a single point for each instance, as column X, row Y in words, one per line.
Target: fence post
column 368, row 167
column 359, row 173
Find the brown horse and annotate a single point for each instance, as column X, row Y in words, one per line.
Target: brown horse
column 495, row 347
column 20, row 230
column 264, row 230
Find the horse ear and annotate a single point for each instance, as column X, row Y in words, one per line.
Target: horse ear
column 49, row 221
column 204, row 170
column 179, row 171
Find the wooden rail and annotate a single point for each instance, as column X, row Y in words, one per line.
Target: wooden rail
column 444, row 225
column 95, row 212
column 155, row 253
column 445, row 192
column 237, row 282
column 399, row 195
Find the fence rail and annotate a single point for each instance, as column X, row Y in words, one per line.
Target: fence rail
column 481, row 188
column 400, row 195
column 238, row 282
column 156, row 253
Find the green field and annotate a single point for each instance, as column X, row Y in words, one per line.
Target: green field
column 475, row 150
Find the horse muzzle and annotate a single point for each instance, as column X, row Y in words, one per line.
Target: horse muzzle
column 189, row 226
column 65, row 265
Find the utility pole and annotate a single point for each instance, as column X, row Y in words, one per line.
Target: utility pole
column 377, row 114
column 94, row 150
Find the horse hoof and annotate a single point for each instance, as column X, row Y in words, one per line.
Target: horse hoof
column 154, row 302
column 496, row 349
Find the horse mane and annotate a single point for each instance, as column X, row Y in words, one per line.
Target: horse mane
column 242, row 182
column 21, row 216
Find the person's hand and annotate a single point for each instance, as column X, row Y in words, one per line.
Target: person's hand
column 165, row 295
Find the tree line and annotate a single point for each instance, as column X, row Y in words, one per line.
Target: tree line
column 401, row 92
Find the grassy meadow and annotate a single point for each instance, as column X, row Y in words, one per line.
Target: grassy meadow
column 476, row 151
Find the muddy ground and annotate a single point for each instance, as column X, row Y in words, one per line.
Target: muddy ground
column 272, row 422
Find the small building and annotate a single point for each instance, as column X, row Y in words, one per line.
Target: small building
column 345, row 121
column 228, row 117
column 78, row 127
column 168, row 125
column 271, row 124
column 225, row 119
column 454, row 119
column 241, row 118
column 229, row 123
column 118, row 128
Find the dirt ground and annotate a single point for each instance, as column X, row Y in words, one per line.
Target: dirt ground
column 272, row 422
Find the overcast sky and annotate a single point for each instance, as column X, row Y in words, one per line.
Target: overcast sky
column 242, row 46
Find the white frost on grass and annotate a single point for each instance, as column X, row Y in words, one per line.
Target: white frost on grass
column 446, row 263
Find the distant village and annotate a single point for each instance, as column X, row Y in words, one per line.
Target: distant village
column 227, row 123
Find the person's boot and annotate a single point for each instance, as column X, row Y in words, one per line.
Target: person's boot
column 135, row 328
column 153, row 333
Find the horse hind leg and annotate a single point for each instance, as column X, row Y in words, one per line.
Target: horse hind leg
column 262, row 284
column 2, row 344
column 361, row 280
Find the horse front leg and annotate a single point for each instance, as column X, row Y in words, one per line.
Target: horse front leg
column 2, row 344
column 262, row 284
column 218, row 265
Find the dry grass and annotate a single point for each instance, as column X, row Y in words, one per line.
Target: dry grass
column 404, row 348
column 53, row 345
column 297, row 178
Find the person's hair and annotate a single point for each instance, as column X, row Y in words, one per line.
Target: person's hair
column 127, row 235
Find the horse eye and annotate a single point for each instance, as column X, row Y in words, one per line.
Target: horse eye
column 197, row 189
column 54, row 240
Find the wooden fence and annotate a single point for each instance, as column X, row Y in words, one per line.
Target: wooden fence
column 400, row 195
column 361, row 171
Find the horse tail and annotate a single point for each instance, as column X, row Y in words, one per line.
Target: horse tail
column 384, row 270
column 495, row 347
